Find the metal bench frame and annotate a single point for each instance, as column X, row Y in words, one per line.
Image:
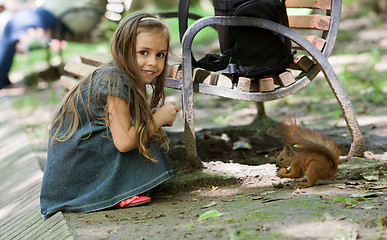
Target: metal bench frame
column 320, row 57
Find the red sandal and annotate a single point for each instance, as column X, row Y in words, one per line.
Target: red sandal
column 133, row 201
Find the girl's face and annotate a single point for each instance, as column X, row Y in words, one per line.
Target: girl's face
column 151, row 52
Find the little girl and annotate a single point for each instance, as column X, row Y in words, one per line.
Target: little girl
column 106, row 144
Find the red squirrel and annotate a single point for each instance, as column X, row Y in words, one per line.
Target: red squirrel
column 307, row 151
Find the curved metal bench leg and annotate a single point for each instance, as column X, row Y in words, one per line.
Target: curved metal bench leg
column 357, row 145
column 189, row 120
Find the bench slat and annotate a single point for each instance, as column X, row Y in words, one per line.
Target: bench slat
column 115, row 7
column 173, row 71
column 79, row 69
column 314, row 4
column 266, row 84
column 318, row 42
column 301, row 62
column 95, row 59
column 113, row 16
column 247, row 84
column 284, row 79
column 315, row 21
column 68, row 82
column 224, row 81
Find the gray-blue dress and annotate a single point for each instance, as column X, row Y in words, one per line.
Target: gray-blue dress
column 90, row 175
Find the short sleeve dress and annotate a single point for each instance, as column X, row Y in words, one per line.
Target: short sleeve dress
column 89, row 175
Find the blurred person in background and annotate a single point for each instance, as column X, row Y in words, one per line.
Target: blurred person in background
column 45, row 14
column 9, row 7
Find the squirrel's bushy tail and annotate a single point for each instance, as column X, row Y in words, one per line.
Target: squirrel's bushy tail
column 309, row 140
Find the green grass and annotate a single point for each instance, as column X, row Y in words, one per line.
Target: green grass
column 26, row 63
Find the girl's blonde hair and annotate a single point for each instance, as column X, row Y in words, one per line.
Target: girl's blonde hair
column 123, row 50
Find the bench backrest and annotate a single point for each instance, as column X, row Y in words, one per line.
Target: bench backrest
column 319, row 25
column 113, row 12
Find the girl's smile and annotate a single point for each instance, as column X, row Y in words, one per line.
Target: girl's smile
column 151, row 49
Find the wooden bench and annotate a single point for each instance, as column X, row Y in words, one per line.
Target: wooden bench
column 314, row 35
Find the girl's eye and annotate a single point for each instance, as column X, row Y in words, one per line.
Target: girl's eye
column 160, row 55
column 143, row 52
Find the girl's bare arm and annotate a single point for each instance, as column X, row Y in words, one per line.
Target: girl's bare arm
column 123, row 133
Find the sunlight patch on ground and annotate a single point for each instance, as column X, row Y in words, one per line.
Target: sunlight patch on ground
column 325, row 229
column 240, row 170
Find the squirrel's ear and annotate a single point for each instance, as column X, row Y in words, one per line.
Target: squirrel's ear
column 289, row 150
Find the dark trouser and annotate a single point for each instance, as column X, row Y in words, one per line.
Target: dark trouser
column 17, row 26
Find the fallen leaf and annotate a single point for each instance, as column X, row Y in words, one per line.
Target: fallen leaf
column 225, row 137
column 210, row 214
column 278, row 185
column 368, row 207
column 238, row 145
column 211, row 204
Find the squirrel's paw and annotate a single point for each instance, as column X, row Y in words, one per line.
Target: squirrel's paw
column 304, row 185
column 282, row 171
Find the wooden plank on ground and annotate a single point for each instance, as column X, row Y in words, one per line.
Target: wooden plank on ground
column 21, row 179
column 314, row 4
column 314, row 21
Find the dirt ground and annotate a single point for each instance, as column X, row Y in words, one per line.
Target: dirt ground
column 248, row 210
column 242, row 202
column 237, row 195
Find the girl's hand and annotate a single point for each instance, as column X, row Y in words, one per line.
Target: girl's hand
column 165, row 115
